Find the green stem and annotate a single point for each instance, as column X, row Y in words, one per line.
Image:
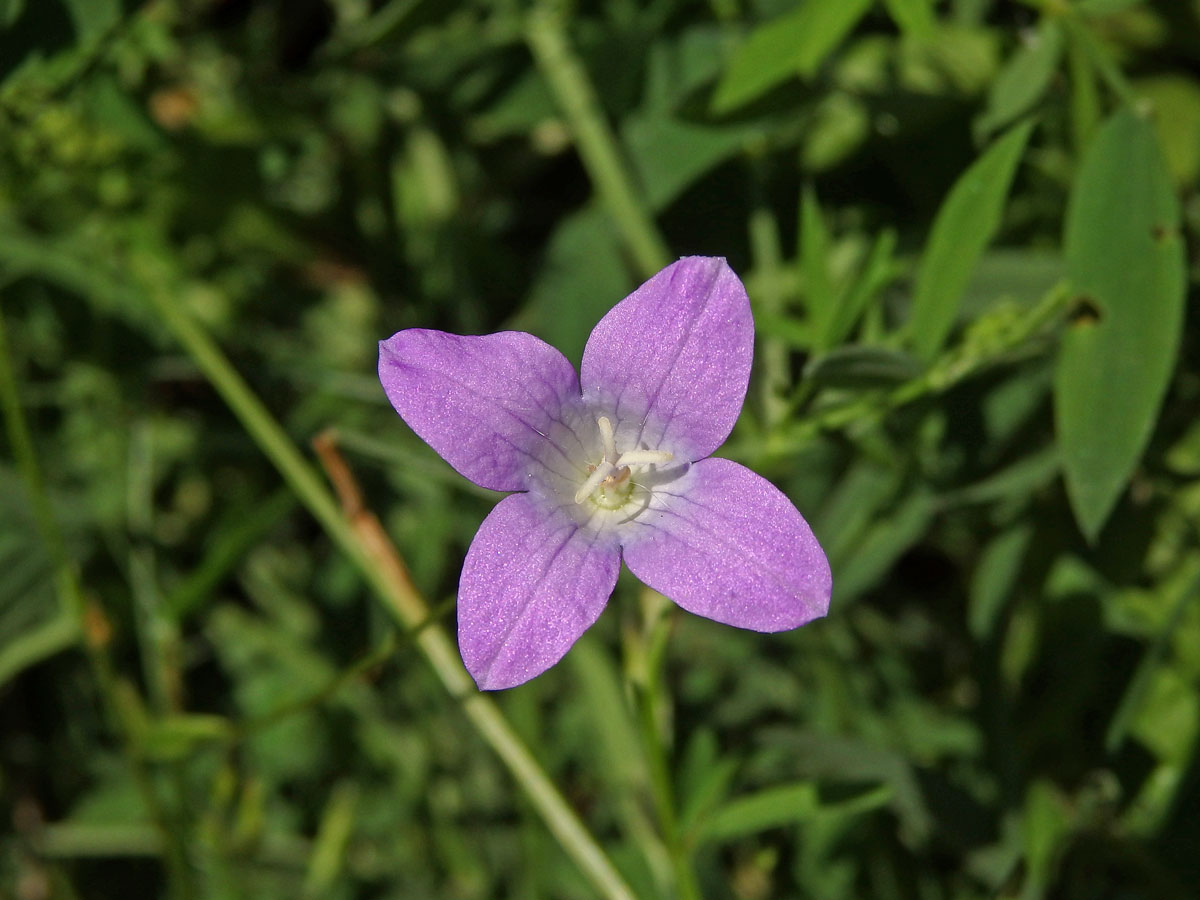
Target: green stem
column 155, row 633
column 954, row 366
column 70, row 596
column 651, row 702
column 401, row 600
column 597, row 145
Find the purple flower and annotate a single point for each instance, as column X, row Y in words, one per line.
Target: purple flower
column 614, row 464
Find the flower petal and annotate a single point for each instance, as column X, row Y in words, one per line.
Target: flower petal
column 532, row 583
column 484, row 403
column 725, row 543
column 674, row 356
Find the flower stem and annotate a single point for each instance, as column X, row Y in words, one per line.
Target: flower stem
column 594, row 139
column 651, row 702
column 360, row 535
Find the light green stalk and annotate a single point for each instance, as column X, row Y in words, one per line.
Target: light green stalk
column 597, row 145
column 648, row 649
column 399, row 596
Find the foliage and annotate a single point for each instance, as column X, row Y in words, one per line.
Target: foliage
column 964, row 226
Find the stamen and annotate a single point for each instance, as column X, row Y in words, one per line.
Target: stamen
column 644, row 457
column 598, row 475
column 608, row 482
column 606, row 435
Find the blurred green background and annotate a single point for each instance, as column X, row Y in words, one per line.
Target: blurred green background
column 964, row 226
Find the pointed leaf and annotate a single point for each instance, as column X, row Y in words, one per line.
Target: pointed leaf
column 1024, row 78
column 92, row 18
column 915, row 17
column 814, row 261
column 862, row 367
column 768, row 808
column 1125, row 262
column 965, row 225
column 792, row 45
column 10, row 11
column 878, row 269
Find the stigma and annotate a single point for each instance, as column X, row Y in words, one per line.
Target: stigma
column 610, row 481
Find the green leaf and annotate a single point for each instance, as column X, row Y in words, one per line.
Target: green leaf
column 839, row 125
column 964, row 226
column 1104, row 7
column 327, row 861
column 995, row 577
column 1166, row 723
column 1024, row 78
column 887, row 539
column 1045, row 825
column 1016, row 273
column 814, row 261
column 178, row 736
column 856, row 761
column 10, row 11
column 1141, row 706
column 1176, row 100
column 1018, row 480
column 92, row 18
column 793, row 332
column 704, row 779
column 1125, row 261
column 769, row 808
column 862, row 367
column 669, row 155
column 34, row 624
column 877, row 271
column 794, row 44
column 581, row 276
column 36, row 643
column 915, row 17
column 618, row 757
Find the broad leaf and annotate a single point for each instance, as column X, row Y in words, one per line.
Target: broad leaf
column 669, row 155
column 1125, row 262
column 580, row 274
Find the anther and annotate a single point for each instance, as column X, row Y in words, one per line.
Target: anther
column 644, row 457
column 606, row 435
column 598, row 475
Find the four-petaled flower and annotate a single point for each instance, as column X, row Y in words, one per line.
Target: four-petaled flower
column 613, row 464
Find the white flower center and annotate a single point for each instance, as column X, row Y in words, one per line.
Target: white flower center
column 609, row 483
